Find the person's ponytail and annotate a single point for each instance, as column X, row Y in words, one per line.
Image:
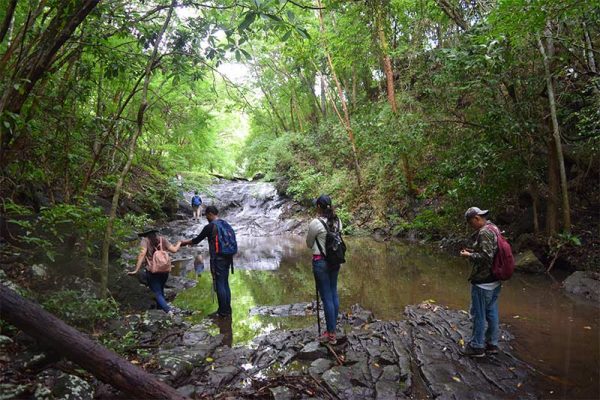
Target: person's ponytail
column 332, row 218
column 154, row 240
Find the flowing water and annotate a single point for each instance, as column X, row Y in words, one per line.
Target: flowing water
column 557, row 335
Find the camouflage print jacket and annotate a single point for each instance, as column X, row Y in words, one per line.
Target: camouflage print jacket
column 482, row 256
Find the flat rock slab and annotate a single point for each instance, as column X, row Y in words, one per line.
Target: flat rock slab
column 287, row 310
column 417, row 357
column 437, row 337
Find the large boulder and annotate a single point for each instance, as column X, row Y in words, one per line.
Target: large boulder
column 528, row 262
column 585, row 284
column 184, row 209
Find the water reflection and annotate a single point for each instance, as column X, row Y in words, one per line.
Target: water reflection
column 554, row 333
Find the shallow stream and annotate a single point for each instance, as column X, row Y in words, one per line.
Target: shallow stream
column 556, row 334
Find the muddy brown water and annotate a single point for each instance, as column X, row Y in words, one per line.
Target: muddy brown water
column 557, row 335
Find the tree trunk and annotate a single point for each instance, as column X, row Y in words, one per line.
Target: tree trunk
column 533, row 192
column 553, row 189
column 104, row 364
column 591, row 58
column 59, row 30
column 387, row 68
column 132, row 144
column 346, row 119
column 99, row 144
column 453, row 13
column 390, row 90
column 547, row 55
column 353, row 87
column 8, row 17
column 323, row 87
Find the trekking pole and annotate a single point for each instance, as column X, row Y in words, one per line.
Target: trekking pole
column 318, row 318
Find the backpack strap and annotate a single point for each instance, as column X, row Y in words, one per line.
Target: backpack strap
column 327, row 226
column 317, row 239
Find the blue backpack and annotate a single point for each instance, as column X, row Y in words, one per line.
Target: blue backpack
column 196, row 201
column 225, row 243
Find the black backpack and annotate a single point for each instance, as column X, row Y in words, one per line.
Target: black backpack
column 334, row 246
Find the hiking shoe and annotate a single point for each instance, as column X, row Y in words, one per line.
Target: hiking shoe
column 327, row 338
column 332, row 339
column 472, row 351
column 491, row 349
column 324, row 338
column 217, row 314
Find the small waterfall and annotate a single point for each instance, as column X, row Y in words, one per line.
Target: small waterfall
column 256, row 212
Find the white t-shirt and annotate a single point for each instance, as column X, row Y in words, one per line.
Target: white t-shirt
column 489, row 286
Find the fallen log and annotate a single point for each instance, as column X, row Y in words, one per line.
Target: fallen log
column 67, row 341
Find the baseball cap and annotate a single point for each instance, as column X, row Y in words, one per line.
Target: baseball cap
column 324, row 201
column 473, row 211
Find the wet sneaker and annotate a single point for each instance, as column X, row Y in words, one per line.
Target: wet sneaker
column 491, row 349
column 472, row 351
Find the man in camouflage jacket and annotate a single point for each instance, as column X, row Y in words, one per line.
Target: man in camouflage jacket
column 485, row 288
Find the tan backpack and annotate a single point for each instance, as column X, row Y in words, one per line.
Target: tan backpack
column 160, row 262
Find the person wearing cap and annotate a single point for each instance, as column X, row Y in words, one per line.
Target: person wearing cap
column 485, row 288
column 151, row 241
column 326, row 276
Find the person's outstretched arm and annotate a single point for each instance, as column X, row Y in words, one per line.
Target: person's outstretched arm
column 140, row 260
column 203, row 235
column 173, row 248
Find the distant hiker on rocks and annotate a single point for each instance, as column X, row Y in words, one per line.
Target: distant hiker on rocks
column 222, row 246
column 485, row 286
column 196, row 206
column 325, row 240
column 154, row 257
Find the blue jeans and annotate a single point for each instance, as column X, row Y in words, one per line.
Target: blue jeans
column 221, row 280
column 157, row 282
column 326, row 278
column 484, row 307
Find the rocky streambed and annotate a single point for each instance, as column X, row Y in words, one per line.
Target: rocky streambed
column 409, row 354
column 417, row 357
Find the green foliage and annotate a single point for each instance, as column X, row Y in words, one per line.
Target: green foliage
column 568, row 239
column 122, row 344
column 80, row 309
column 471, row 125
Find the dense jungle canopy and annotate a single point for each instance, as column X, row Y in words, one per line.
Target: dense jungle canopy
column 406, row 111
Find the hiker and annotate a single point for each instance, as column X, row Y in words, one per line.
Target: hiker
column 196, row 203
column 485, row 287
column 152, row 242
column 326, row 266
column 222, row 246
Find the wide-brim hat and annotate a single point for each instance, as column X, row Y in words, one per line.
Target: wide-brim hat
column 147, row 230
